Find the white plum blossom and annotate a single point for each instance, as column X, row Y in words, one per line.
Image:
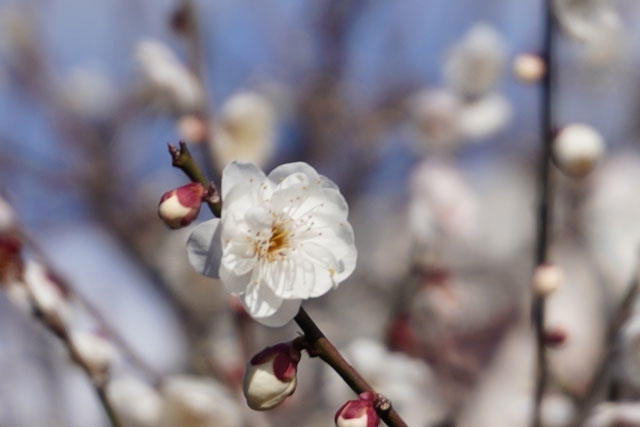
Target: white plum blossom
column 476, row 63
column 170, row 83
column 245, row 130
column 281, row 238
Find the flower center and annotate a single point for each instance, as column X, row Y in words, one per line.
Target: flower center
column 278, row 241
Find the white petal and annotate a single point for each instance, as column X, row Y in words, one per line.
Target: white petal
column 280, row 173
column 326, row 266
column 259, row 300
column 203, row 248
column 234, row 281
column 347, row 265
column 236, row 173
column 284, row 315
column 291, row 278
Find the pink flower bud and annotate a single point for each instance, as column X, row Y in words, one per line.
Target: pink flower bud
column 358, row 413
column 270, row 376
column 11, row 264
column 180, row 206
column 555, row 336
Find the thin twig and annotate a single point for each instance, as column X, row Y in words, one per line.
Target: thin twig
column 544, row 210
column 99, row 381
column 319, row 345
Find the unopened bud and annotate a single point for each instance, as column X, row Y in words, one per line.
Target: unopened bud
column 547, row 278
column 577, row 148
column 358, row 413
column 8, row 217
column 180, row 206
column 10, row 259
column 270, row 376
column 47, row 294
column 95, row 352
column 555, row 336
column 529, row 68
column 192, row 128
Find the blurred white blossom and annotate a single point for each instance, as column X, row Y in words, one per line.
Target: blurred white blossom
column 8, row 217
column 485, row 116
column 281, row 238
column 475, row 65
column 611, row 219
column 407, row 382
column 46, row 293
column 586, row 19
column 442, row 203
column 170, row 84
column 89, row 93
column 96, row 352
column 615, row 415
column 136, row 403
column 435, row 114
column 245, row 130
column 191, row 401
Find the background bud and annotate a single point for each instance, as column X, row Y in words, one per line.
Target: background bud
column 529, row 68
column 270, row 376
column 547, row 278
column 577, row 148
column 96, row 352
column 179, row 207
column 555, row 336
column 358, row 413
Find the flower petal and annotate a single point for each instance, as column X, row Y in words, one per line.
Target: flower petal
column 236, row 173
column 280, row 173
column 203, row 248
column 236, row 275
column 259, row 299
column 284, row 315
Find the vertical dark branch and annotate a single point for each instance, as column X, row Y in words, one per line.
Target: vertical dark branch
column 544, row 206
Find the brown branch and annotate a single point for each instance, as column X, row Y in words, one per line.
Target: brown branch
column 544, row 211
column 319, row 345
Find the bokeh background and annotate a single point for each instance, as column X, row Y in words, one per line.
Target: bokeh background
column 411, row 107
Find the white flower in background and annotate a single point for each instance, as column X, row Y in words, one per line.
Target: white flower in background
column 281, row 238
column 586, row 20
column 435, row 115
column 475, row 65
column 191, row 401
column 47, row 295
column 245, row 130
column 136, row 403
column 89, row 93
column 442, row 203
column 97, row 353
column 577, row 148
column 615, row 415
column 407, row 382
column 484, row 117
column 611, row 219
column 171, row 85
column 8, row 217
